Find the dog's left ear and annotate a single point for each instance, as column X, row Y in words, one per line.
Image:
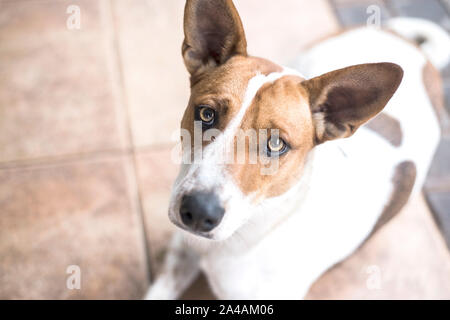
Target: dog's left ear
column 213, row 33
column 343, row 100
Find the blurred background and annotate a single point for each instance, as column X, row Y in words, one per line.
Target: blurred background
column 91, row 93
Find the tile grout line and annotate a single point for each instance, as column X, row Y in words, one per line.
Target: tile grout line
column 71, row 158
column 437, row 221
column 54, row 161
column 113, row 29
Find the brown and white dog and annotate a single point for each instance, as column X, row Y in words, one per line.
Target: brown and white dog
column 257, row 235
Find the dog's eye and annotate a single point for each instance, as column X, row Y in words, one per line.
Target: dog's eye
column 206, row 115
column 276, row 146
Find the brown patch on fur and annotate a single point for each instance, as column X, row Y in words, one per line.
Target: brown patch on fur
column 433, row 85
column 279, row 105
column 387, row 127
column 403, row 182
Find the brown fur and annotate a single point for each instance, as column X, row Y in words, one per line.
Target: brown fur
column 213, row 34
column 283, row 106
column 403, row 183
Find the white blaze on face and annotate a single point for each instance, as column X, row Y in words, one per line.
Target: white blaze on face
column 209, row 173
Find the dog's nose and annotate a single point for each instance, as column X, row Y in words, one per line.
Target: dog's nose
column 201, row 211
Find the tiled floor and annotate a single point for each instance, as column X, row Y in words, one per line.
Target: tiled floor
column 89, row 221
column 49, row 109
column 68, row 192
column 87, row 125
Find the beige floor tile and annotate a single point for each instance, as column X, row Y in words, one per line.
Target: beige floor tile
column 70, row 214
column 407, row 259
column 278, row 30
column 21, row 19
column 150, row 36
column 58, row 87
column 157, row 172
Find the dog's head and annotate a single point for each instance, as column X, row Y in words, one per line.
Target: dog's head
column 250, row 124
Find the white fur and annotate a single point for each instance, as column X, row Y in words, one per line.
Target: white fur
column 285, row 243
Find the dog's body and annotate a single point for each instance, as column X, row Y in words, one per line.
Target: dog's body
column 345, row 190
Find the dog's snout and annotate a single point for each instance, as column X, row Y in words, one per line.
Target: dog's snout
column 201, row 211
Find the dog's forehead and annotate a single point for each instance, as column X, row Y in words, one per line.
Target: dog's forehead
column 230, row 81
column 224, row 87
column 227, row 85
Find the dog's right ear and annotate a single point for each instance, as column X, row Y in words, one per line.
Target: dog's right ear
column 213, row 33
